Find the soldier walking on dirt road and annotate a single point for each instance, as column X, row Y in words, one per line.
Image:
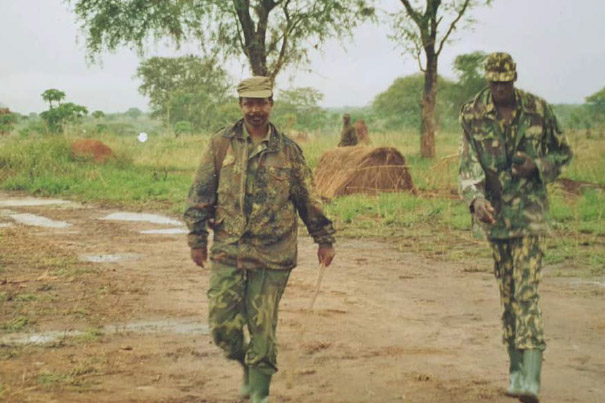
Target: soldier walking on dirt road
column 511, row 148
column 249, row 187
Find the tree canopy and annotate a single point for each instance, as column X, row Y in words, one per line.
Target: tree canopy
column 53, row 95
column 271, row 34
column 400, row 105
column 596, row 106
column 422, row 29
column 298, row 108
column 56, row 117
column 471, row 79
column 188, row 88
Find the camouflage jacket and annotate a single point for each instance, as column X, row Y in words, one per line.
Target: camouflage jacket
column 487, row 149
column 348, row 136
column 251, row 200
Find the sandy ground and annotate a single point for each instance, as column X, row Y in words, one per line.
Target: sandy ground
column 387, row 326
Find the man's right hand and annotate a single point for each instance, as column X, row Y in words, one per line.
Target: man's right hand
column 199, row 256
column 484, row 211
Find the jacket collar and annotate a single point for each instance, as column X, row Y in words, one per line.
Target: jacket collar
column 237, row 131
column 485, row 107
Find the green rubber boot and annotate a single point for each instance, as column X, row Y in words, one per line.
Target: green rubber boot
column 259, row 385
column 244, row 390
column 532, row 366
column 515, row 372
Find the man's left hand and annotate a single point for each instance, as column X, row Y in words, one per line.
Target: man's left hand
column 523, row 165
column 325, row 254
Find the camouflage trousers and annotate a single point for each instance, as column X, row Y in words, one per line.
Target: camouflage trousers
column 517, row 268
column 239, row 298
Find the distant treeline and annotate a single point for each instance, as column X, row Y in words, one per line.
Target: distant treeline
column 194, row 95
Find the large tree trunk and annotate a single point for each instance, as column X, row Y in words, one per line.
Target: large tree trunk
column 429, row 98
column 258, row 62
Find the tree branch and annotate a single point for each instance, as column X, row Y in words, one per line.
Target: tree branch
column 453, row 25
column 414, row 15
column 245, row 20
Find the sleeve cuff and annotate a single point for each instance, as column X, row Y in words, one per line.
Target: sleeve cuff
column 195, row 241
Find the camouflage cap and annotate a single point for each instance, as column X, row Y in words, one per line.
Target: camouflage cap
column 346, row 115
column 255, row 87
column 500, row 66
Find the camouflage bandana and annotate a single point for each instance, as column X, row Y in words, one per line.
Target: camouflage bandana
column 500, row 67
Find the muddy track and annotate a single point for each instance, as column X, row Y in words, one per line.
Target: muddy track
column 129, row 322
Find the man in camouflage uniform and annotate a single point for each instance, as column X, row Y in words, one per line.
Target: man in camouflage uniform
column 249, row 187
column 511, row 148
column 348, row 134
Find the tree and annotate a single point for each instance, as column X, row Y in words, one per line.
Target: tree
column 57, row 117
column 98, row 114
column 271, row 34
column 596, row 106
column 299, row 108
column 187, row 88
column 417, row 31
column 133, row 113
column 471, row 78
column 400, row 105
column 51, row 95
column 7, row 120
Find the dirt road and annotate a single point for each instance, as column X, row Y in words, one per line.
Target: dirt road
column 387, row 326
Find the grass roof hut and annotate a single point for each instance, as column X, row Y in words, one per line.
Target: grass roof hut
column 366, row 170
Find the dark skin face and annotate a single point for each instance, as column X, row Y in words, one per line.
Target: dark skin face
column 346, row 120
column 503, row 92
column 257, row 112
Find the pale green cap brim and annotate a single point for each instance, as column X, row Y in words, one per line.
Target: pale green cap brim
column 255, row 93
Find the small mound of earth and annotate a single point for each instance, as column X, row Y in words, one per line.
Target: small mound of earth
column 577, row 187
column 90, row 148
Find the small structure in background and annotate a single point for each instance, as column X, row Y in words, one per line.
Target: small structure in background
column 365, row 170
column 348, row 134
column 362, row 132
column 300, row 136
column 91, row 149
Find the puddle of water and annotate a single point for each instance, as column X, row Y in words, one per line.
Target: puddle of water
column 37, row 338
column 31, row 201
column 142, row 217
column 167, row 231
column 38, row 221
column 110, row 258
column 175, row 326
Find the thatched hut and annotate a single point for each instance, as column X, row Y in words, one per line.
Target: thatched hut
column 367, row 170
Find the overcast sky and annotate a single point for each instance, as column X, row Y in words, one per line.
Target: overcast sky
column 558, row 45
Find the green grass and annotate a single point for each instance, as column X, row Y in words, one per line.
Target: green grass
column 15, row 324
column 89, row 336
column 157, row 175
column 72, row 380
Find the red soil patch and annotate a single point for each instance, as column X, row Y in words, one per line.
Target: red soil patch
column 90, row 148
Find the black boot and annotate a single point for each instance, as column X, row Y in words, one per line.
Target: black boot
column 532, row 367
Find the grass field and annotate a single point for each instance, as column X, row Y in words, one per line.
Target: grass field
column 157, row 174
